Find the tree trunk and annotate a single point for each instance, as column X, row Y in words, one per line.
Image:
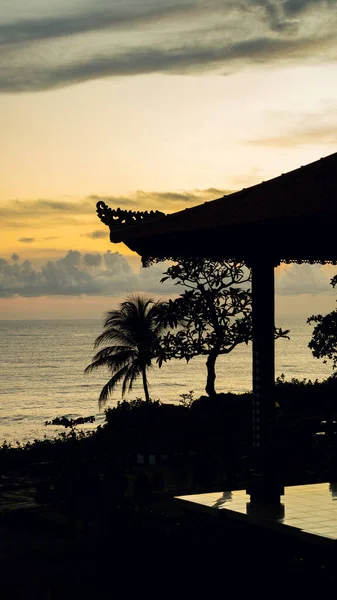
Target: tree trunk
column 210, row 364
column 145, row 385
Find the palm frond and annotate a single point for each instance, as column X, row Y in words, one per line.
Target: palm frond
column 113, row 334
column 133, row 372
column 114, row 351
column 131, row 334
column 111, row 361
column 109, row 387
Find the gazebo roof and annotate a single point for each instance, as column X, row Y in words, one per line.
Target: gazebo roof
column 292, row 217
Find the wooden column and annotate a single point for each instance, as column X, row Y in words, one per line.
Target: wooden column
column 264, row 486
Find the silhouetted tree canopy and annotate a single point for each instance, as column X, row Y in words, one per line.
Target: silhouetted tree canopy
column 213, row 312
column 323, row 343
column 133, row 332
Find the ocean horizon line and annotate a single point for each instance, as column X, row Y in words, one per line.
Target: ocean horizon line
column 285, row 318
column 56, row 319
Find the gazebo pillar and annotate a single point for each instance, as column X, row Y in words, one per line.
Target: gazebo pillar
column 265, row 486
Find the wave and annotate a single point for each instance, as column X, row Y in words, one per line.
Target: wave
column 170, row 384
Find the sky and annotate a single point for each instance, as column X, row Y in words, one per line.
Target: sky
column 149, row 104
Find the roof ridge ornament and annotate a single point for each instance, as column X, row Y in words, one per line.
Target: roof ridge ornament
column 117, row 218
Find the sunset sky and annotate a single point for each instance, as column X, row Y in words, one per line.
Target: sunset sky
column 149, row 104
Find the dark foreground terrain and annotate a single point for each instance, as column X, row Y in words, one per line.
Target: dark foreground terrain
column 129, row 538
column 150, row 548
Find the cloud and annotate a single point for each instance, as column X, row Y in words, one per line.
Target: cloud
column 76, row 273
column 37, row 213
column 309, row 129
column 303, row 279
column 164, row 201
column 186, row 199
column 311, row 136
column 95, row 235
column 120, row 200
column 110, row 274
column 15, row 257
column 24, row 212
column 27, row 31
column 29, row 213
column 297, row 7
column 179, row 60
column 105, row 40
column 92, row 260
column 30, row 240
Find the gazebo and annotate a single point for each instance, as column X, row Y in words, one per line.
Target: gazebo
column 290, row 218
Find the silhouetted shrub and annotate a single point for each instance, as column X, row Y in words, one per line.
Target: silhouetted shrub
column 211, row 430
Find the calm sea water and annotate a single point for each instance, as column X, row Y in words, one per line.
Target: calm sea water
column 42, row 364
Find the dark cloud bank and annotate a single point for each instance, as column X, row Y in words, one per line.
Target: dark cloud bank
column 96, row 235
column 26, row 240
column 26, row 212
column 119, row 39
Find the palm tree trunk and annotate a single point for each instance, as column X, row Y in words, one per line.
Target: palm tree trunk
column 145, row 385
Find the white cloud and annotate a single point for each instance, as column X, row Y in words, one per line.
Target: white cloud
column 111, row 274
column 303, row 279
column 79, row 273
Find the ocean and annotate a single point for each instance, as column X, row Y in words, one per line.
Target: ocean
column 42, row 364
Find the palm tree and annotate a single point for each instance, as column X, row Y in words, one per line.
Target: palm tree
column 133, row 331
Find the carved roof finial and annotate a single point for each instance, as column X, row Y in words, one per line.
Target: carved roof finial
column 117, row 218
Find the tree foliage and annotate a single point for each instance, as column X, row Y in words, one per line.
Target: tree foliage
column 323, row 343
column 132, row 332
column 70, row 423
column 213, row 313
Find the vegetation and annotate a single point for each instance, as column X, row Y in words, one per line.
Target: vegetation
column 324, row 337
column 71, row 423
column 207, row 438
column 213, row 314
column 133, row 332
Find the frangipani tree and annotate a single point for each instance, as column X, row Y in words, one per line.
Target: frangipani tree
column 213, row 313
column 323, row 343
